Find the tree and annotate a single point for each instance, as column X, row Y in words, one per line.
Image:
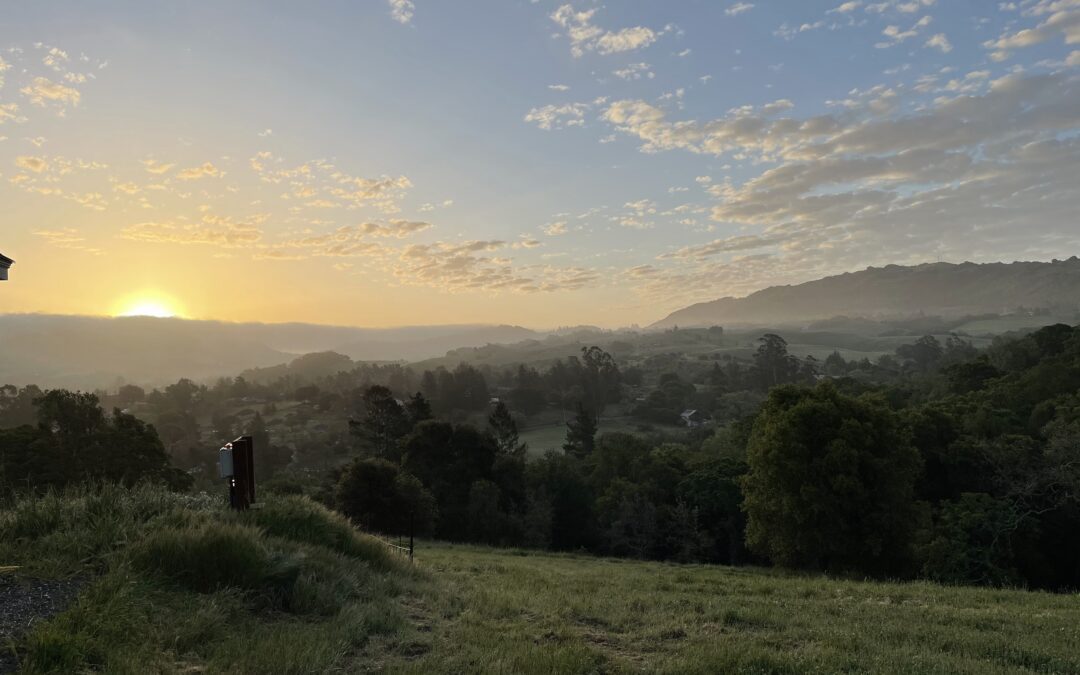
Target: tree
column 269, row 458
column 971, row 542
column 384, row 423
column 773, row 363
column 418, row 409
column 504, row 428
column 830, row 483
column 129, row 394
column 581, row 433
column 448, row 459
column 380, row 497
column 923, row 355
column 600, row 378
column 561, row 496
column 835, row 365
column 75, row 442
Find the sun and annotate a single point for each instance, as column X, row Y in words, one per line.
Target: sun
column 148, row 305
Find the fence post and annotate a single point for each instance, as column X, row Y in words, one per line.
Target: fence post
column 412, row 521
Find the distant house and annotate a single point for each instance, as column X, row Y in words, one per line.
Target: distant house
column 692, row 418
column 5, row 263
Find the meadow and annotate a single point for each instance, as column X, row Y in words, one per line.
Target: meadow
column 516, row 611
column 178, row 584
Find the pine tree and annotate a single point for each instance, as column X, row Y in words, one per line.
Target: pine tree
column 581, row 433
column 505, row 430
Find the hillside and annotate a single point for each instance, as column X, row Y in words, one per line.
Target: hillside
column 944, row 289
column 515, row 611
column 89, row 352
column 177, row 584
column 172, row 583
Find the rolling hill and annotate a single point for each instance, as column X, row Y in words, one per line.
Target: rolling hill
column 90, row 352
column 944, row 289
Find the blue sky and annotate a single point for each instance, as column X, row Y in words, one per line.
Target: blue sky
column 389, row 162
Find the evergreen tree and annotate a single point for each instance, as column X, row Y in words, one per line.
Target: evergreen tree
column 581, row 433
column 505, row 430
column 418, row 409
column 383, row 425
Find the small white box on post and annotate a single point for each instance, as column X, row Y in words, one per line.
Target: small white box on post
column 225, row 462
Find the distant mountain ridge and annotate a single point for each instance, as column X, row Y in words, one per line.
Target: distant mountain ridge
column 91, row 352
column 946, row 289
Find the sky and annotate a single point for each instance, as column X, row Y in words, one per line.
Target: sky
column 531, row 162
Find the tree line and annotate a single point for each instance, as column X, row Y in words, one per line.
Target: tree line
column 960, row 466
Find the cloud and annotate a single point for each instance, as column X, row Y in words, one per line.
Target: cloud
column 940, row 41
column 558, row 87
column 586, row 36
column 554, row 229
column 68, row 238
column 402, row 10
column 9, row 111
column 212, row 230
column 44, row 92
column 30, row 163
column 983, row 175
column 739, row 8
column 551, row 116
column 153, row 166
column 398, row 229
column 845, row 7
column 1062, row 18
column 324, row 185
column 634, row 71
column 472, row 266
column 895, row 35
column 742, row 128
column 206, row 170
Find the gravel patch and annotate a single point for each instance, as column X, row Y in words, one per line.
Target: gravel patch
column 26, row 601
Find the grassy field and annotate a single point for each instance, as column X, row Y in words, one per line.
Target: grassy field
column 546, row 437
column 177, row 584
column 507, row 611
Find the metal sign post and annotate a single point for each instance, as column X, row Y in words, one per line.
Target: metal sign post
column 236, row 463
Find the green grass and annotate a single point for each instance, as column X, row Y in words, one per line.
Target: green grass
column 177, row 584
column 180, row 584
column 510, row 611
column 552, row 436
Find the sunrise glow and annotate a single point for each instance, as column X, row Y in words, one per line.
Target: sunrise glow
column 155, row 307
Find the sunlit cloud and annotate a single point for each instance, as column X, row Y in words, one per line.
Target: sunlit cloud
column 402, row 10
column 585, row 36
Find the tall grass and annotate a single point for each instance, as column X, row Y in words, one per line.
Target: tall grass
column 180, row 583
